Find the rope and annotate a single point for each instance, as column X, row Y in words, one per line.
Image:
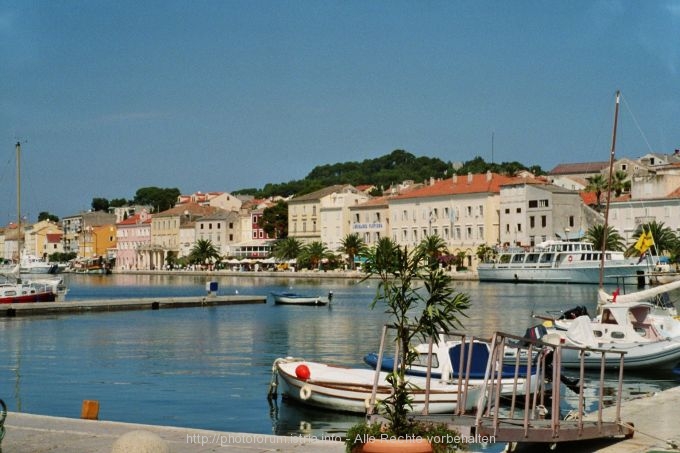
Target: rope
column 668, row 442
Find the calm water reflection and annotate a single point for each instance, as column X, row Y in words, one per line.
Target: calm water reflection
column 210, row 367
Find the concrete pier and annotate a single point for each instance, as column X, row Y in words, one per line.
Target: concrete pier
column 149, row 303
column 654, row 417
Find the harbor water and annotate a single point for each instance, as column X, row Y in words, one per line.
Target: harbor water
column 210, row 367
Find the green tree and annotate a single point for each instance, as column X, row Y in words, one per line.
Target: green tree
column 421, row 303
column 312, row 254
column 596, row 235
column 159, row 199
column 485, row 253
column 620, row 183
column 274, row 220
column 665, row 240
column 353, row 245
column 597, row 184
column 44, row 215
column 287, row 249
column 203, row 251
column 118, row 202
column 100, row 204
column 432, row 248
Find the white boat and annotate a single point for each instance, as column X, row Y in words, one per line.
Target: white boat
column 560, row 262
column 300, row 299
column 31, row 264
column 345, row 389
column 627, row 327
column 446, row 365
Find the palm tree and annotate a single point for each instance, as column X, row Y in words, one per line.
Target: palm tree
column 598, row 185
column 432, row 247
column 665, row 240
column 352, row 245
column 287, row 249
column 620, row 182
column 613, row 241
column 313, row 253
column 203, row 251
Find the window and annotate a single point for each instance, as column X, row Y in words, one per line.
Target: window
column 544, row 221
column 507, row 210
column 532, row 222
column 571, row 220
column 519, row 227
column 469, row 211
column 519, row 210
column 356, row 218
column 543, row 203
column 533, row 204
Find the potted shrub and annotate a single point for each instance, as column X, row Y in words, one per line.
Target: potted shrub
column 421, row 303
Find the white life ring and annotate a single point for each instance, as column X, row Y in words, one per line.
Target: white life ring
column 305, row 392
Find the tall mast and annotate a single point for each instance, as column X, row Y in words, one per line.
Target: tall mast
column 609, row 189
column 18, row 148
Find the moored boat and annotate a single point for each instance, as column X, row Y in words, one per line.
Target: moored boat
column 346, row 389
column 301, row 299
column 560, row 262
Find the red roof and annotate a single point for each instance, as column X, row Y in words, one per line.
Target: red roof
column 467, row 184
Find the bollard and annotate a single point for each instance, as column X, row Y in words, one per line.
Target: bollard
column 90, row 410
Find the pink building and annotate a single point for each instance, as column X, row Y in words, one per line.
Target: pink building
column 133, row 236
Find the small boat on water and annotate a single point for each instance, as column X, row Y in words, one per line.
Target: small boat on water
column 559, row 262
column 300, row 299
column 629, row 327
column 450, row 357
column 346, row 389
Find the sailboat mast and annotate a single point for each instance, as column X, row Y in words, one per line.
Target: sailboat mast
column 605, row 232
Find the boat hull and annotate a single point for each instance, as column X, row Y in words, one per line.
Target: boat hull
column 349, row 389
column 293, row 299
column 45, row 296
column 586, row 275
column 652, row 357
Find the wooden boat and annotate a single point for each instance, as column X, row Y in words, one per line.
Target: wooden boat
column 300, row 299
column 346, row 389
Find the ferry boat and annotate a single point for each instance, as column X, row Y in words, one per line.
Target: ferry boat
column 561, row 262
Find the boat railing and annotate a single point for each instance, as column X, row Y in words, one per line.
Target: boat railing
column 531, row 411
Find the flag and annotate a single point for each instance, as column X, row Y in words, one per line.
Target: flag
column 644, row 242
column 640, row 242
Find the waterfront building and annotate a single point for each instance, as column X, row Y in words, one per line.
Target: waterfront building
column 133, row 236
column 222, row 228
column 165, row 231
column 462, row 210
column 654, row 197
column 532, row 211
column 35, row 237
column 305, row 219
column 78, row 228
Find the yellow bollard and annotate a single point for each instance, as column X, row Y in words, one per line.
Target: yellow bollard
column 90, row 410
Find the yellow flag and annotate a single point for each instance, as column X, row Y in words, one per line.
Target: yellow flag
column 640, row 242
column 649, row 239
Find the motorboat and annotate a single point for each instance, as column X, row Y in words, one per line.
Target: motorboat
column 559, row 262
column 24, row 292
column 345, row 389
column 621, row 327
column 31, row 264
column 289, row 298
column 450, row 362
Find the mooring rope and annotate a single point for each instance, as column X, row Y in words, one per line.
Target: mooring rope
column 669, row 442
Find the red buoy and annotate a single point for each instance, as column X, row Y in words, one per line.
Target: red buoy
column 302, row 372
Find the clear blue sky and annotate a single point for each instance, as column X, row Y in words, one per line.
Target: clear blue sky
column 111, row 96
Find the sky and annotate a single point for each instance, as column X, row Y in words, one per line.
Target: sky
column 107, row 97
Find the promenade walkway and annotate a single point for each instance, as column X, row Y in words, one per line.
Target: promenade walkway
column 654, row 417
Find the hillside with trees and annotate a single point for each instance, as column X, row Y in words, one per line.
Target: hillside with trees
column 382, row 172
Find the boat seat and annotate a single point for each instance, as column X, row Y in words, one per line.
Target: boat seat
column 480, row 358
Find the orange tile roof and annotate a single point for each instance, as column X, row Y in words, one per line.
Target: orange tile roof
column 479, row 184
